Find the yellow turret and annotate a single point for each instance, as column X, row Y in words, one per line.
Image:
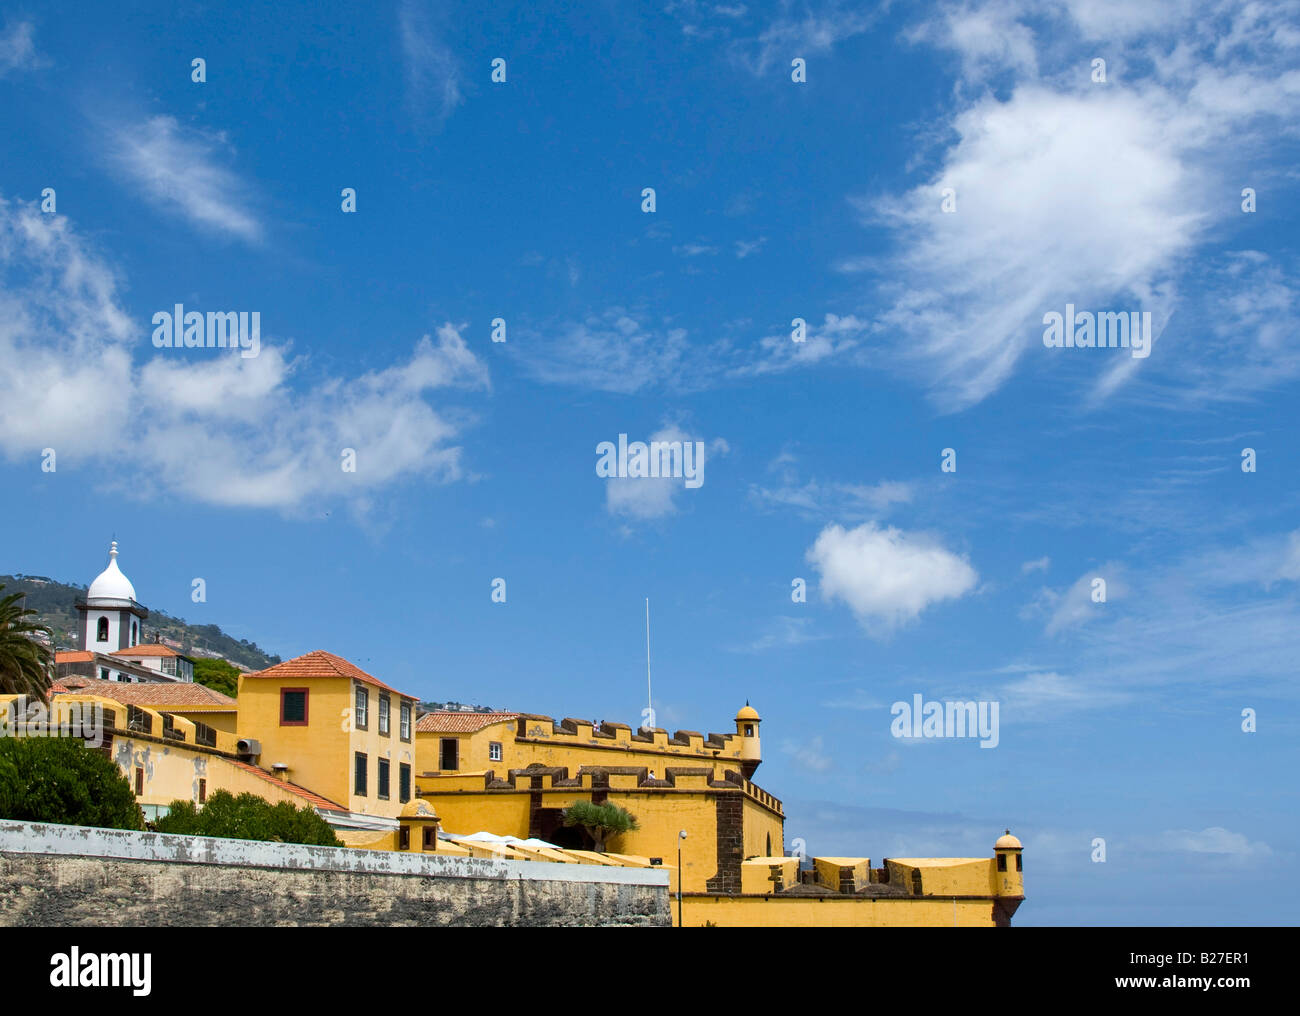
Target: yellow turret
column 1008, row 874
column 751, row 753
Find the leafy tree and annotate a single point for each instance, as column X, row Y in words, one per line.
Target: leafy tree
column 219, row 675
column 248, row 817
column 26, row 666
column 602, row 821
column 59, row 779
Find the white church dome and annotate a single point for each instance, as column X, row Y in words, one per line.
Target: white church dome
column 111, row 584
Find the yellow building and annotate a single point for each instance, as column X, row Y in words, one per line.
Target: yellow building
column 325, row 723
column 164, row 756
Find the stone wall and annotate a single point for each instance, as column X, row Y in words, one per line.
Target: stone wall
column 73, row 876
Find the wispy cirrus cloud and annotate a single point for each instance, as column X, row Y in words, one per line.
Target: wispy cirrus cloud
column 1096, row 193
column 18, row 48
column 184, row 170
column 818, row 499
column 644, row 498
column 782, row 633
column 433, row 74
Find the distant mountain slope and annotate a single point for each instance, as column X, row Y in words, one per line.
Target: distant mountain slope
column 56, row 604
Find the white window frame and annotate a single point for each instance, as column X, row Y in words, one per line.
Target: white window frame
column 361, row 703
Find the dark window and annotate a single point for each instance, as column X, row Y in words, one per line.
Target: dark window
column 1019, row 863
column 1002, row 862
column 430, row 838
column 916, row 882
column 359, row 787
column 101, row 631
column 403, row 782
column 383, row 779
column 139, row 782
column 450, row 754
column 138, row 720
column 383, row 715
column 293, row 707
column 203, row 791
column 749, row 730
column 205, row 735
column 404, row 838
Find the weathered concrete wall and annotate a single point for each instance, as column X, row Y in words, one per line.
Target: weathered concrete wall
column 72, row 876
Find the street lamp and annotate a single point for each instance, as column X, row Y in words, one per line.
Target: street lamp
column 680, row 836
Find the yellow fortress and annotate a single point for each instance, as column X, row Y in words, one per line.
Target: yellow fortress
column 319, row 731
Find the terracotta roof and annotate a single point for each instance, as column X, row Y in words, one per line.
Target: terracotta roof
column 181, row 695
column 321, row 664
column 315, row 799
column 73, row 657
column 453, row 722
column 147, row 649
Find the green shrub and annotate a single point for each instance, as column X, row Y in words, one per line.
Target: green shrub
column 248, row 817
column 59, row 779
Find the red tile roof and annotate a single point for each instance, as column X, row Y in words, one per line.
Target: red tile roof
column 73, row 657
column 453, row 722
column 180, row 696
column 321, row 664
column 148, row 649
column 293, row 788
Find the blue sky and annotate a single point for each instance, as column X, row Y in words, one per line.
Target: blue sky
column 775, row 200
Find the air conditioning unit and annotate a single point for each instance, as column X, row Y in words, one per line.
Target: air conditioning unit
column 249, row 746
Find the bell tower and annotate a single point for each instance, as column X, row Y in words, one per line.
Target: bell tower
column 109, row 618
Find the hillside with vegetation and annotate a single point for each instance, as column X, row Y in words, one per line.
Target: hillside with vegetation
column 55, row 604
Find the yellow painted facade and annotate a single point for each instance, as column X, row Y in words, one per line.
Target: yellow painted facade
column 341, row 729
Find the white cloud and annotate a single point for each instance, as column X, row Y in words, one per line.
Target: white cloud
column 1046, row 695
column 17, row 49
column 1095, row 194
column 836, row 337
column 1212, row 840
column 1041, row 564
column 1073, row 607
column 810, row 755
column 646, row 498
column 433, row 75
column 615, row 352
column 210, row 426
column 179, row 169
column 783, row 633
column 811, row 33
column 851, row 500
column 694, row 250
column 886, row 576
